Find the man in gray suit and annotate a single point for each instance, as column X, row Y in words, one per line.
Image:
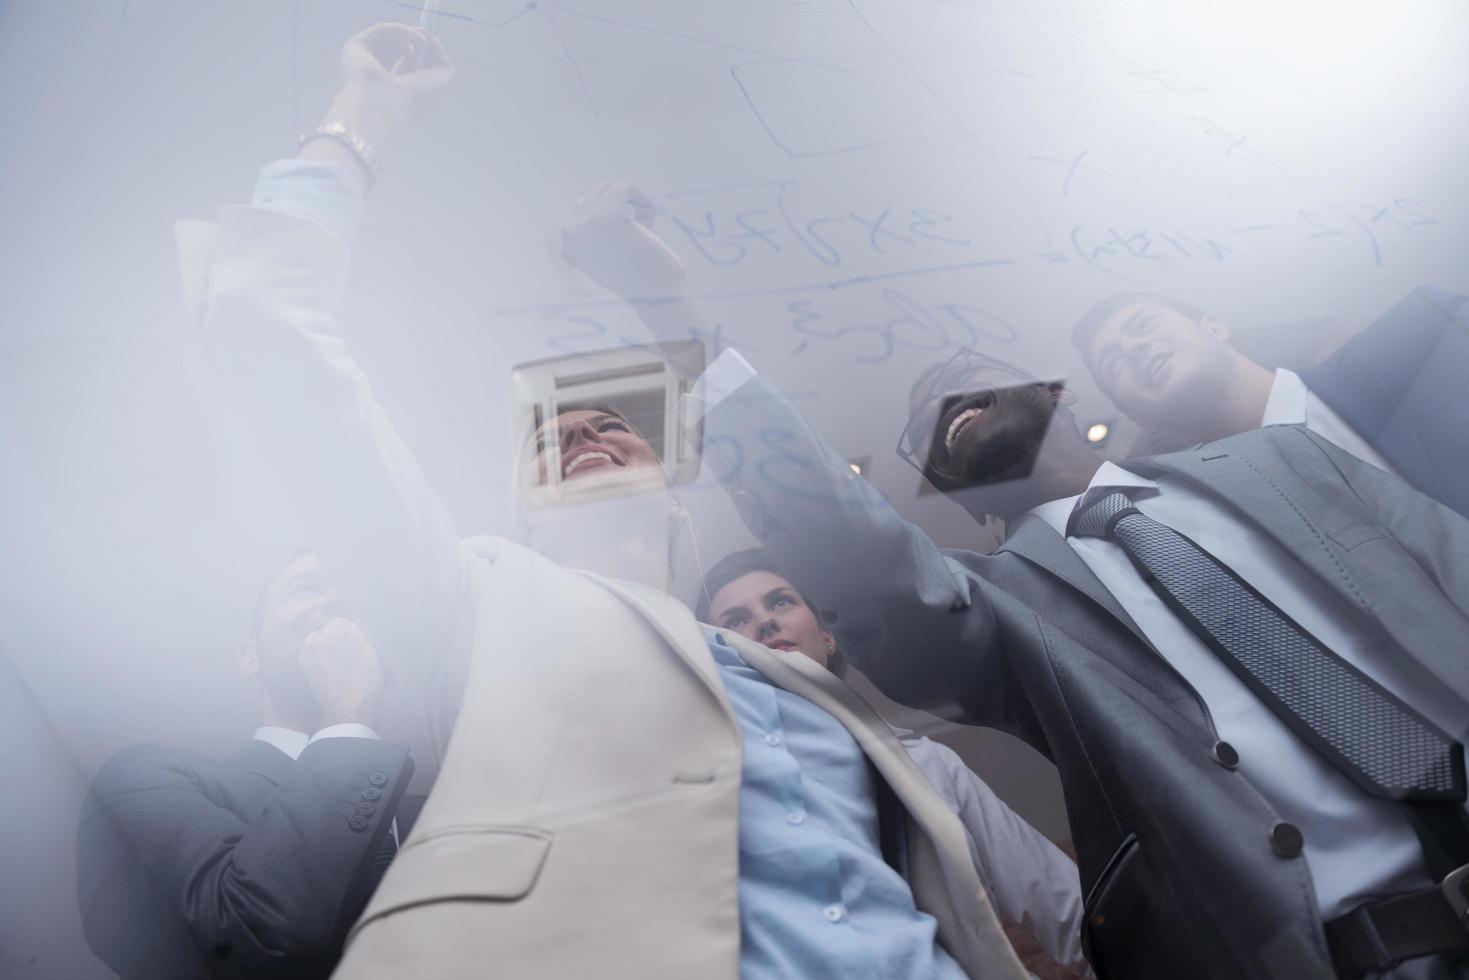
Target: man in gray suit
column 1246, row 660
column 1395, row 395
column 1217, row 648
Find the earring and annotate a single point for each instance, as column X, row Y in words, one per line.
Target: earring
column 831, row 647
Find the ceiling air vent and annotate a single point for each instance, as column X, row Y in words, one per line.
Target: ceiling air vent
column 645, row 385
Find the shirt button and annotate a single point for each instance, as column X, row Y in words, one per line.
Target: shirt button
column 773, row 738
column 366, row 807
column 371, row 793
column 1225, row 755
column 796, row 817
column 377, row 779
column 834, row 913
column 357, row 821
column 1287, row 840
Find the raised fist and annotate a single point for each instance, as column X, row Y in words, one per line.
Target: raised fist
column 391, row 73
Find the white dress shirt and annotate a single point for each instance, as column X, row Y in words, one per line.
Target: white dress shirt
column 1291, row 403
column 1357, row 847
column 293, row 743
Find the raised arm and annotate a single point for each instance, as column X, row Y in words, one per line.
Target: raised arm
column 614, row 243
column 910, row 617
column 269, row 323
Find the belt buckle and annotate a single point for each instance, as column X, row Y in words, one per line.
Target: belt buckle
column 1455, row 888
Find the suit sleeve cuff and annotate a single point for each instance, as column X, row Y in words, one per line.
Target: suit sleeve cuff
column 346, row 730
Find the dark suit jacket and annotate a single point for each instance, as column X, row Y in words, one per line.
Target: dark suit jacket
column 1403, row 384
column 255, row 867
column 1174, row 847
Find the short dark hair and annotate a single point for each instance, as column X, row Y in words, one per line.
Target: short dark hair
column 1103, row 310
column 738, row 564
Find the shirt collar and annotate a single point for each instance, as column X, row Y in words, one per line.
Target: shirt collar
column 1286, row 404
column 288, row 740
column 1108, row 477
column 724, row 654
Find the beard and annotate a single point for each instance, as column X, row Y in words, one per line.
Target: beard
column 1008, row 446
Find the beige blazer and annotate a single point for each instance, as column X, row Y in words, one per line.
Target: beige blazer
column 584, row 821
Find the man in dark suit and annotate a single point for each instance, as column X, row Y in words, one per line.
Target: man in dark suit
column 1396, row 395
column 258, row 865
column 1226, row 822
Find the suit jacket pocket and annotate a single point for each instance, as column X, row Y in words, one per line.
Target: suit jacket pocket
column 1353, row 533
column 461, row 864
column 1114, row 935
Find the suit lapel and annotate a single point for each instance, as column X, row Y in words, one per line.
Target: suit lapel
column 1260, row 474
column 1255, row 477
column 1225, row 470
column 802, row 676
column 674, row 622
column 1037, row 543
column 967, row 923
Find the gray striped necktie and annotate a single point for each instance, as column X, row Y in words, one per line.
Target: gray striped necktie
column 1368, row 734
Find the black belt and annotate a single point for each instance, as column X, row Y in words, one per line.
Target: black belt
column 1379, row 935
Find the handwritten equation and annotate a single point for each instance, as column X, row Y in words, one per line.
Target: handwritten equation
column 898, row 322
column 918, row 270
column 727, row 237
column 1114, row 249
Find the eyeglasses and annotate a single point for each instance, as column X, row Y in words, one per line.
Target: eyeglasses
column 941, row 392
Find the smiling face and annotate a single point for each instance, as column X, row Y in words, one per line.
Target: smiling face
column 1159, row 364
column 590, row 447
column 767, row 608
column 976, row 422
